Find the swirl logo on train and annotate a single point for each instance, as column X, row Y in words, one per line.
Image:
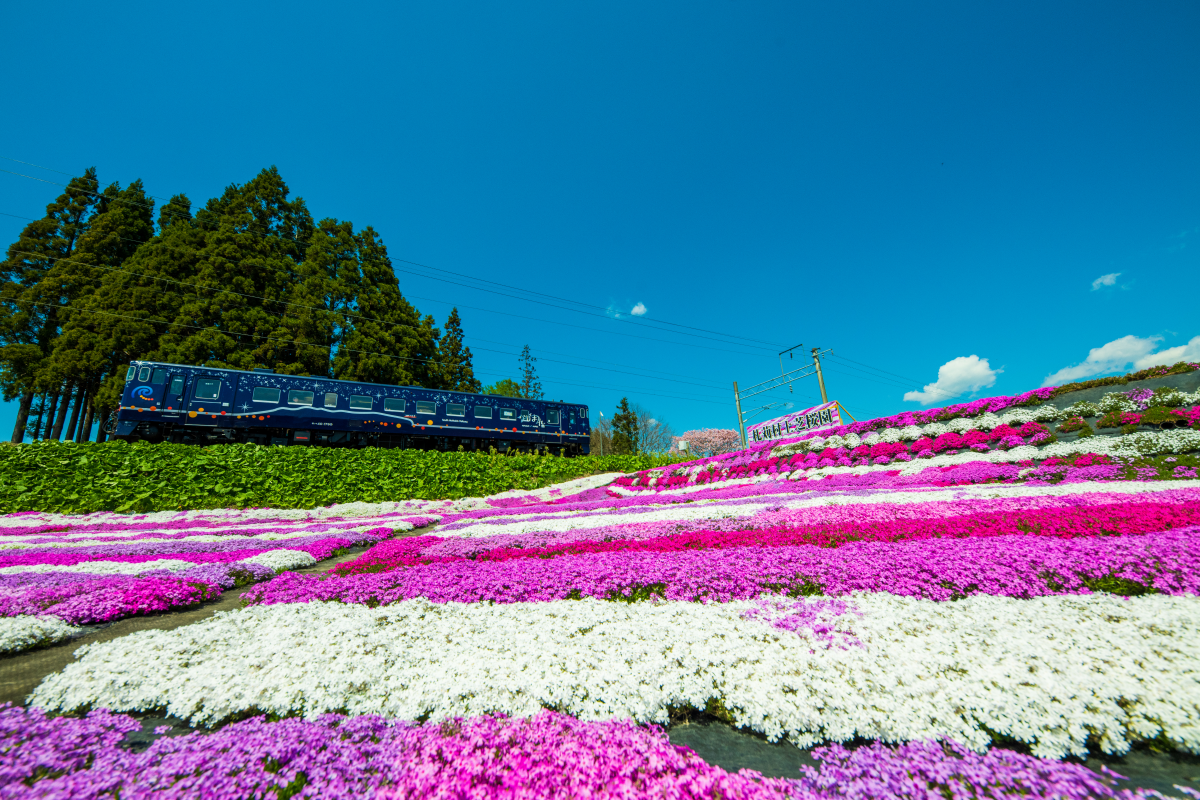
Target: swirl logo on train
column 144, row 393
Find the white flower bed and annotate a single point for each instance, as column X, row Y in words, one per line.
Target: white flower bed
column 25, row 631
column 279, row 560
column 1049, row 671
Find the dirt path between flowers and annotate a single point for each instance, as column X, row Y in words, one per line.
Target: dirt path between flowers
column 731, row 749
column 20, row 673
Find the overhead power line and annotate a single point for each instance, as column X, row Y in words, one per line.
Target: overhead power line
column 341, row 313
column 886, row 381
column 418, row 297
column 643, row 323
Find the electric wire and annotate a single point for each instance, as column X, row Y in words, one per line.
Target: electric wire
column 643, row 323
column 447, row 302
column 357, row 316
column 432, row 300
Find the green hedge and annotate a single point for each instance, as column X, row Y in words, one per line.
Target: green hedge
column 116, row 476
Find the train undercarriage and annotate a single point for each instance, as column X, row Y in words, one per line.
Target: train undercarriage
column 155, row 432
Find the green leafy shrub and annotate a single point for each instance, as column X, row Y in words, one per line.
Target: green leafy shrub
column 74, row 478
column 1160, row 415
column 1111, row 420
column 1075, row 424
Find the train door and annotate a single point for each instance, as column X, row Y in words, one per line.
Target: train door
column 173, row 399
column 210, row 398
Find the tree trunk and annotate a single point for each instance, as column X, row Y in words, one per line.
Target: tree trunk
column 61, row 416
column 76, row 407
column 40, row 406
column 101, row 418
column 22, row 417
column 85, row 429
column 49, row 423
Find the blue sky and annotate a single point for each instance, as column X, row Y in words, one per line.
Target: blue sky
column 921, row 187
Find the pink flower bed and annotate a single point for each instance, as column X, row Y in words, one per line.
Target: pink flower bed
column 852, row 525
column 938, row 569
column 46, row 557
column 550, row 755
column 90, row 599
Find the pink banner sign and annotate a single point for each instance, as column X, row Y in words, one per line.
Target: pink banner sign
column 822, row 416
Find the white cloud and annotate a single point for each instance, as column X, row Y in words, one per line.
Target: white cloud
column 1172, row 355
column 1111, row 357
column 638, row 310
column 1105, row 280
column 962, row 374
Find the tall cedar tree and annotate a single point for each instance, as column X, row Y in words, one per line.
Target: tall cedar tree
column 84, row 353
column 626, row 437
column 531, row 387
column 385, row 340
column 34, row 284
column 133, row 306
column 454, row 358
column 253, row 241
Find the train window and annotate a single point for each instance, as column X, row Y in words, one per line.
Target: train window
column 508, row 413
column 159, row 377
column 572, row 416
column 176, row 385
column 393, row 404
column 299, row 397
column 144, row 374
column 456, row 410
column 265, row 394
column 331, row 399
column 551, row 416
column 362, row 402
column 208, row 389
column 483, row 412
column 132, row 371
column 426, row 408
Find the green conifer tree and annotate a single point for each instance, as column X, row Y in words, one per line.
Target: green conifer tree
column 253, row 239
column 531, row 387
column 454, row 358
column 128, row 315
column 385, row 340
column 625, row 433
column 84, row 354
column 32, row 293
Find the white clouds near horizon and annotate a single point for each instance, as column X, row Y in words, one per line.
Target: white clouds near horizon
column 1105, row 280
column 1120, row 353
column 638, row 310
column 958, row 375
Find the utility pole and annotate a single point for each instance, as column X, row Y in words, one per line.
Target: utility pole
column 820, row 377
column 737, row 399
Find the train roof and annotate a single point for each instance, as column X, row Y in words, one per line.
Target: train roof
column 342, row 380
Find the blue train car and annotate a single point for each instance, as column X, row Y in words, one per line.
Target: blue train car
column 205, row 405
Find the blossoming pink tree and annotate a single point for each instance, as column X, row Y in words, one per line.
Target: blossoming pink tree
column 708, row 441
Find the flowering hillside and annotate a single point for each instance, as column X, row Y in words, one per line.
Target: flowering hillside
column 943, row 604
